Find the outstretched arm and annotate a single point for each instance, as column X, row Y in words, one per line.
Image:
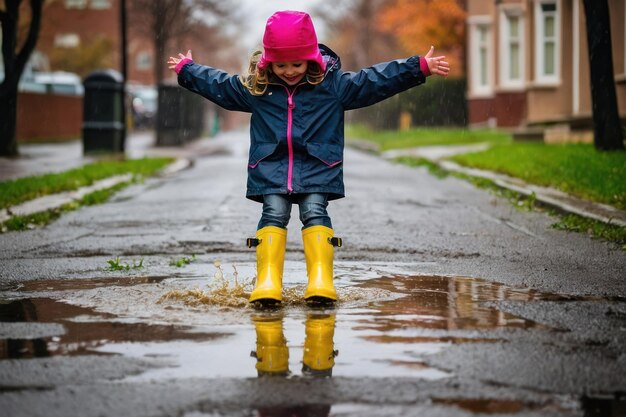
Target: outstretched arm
column 223, row 89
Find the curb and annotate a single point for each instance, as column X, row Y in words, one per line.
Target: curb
column 545, row 195
column 55, row 201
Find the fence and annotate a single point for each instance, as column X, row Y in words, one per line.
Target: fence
column 439, row 102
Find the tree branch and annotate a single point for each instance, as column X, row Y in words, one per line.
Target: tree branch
column 31, row 39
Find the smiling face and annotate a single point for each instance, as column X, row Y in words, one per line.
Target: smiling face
column 291, row 72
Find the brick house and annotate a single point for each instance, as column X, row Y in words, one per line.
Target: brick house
column 528, row 66
column 71, row 23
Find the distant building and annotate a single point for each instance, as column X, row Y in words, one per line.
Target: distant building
column 70, row 24
column 528, row 65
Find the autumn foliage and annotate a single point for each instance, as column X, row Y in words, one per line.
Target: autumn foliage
column 419, row 24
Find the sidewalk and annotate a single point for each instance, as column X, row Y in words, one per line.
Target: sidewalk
column 38, row 159
column 47, row 158
column 547, row 196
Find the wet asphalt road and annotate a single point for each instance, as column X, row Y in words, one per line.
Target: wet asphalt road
column 456, row 303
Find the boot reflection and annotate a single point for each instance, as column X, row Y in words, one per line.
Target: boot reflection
column 271, row 353
column 319, row 354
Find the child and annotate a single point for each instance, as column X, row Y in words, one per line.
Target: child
column 297, row 94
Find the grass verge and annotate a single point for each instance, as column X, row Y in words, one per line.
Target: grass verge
column 23, row 189
column 568, row 222
column 17, row 191
column 578, row 169
column 415, row 137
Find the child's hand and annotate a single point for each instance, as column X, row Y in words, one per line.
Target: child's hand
column 437, row 64
column 175, row 61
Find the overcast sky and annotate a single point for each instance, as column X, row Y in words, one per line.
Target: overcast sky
column 259, row 11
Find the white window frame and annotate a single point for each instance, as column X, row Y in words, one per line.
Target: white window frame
column 477, row 87
column 75, row 4
column 144, row 61
column 67, row 40
column 541, row 78
column 100, row 4
column 506, row 81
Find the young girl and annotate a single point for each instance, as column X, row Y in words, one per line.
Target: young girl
column 297, row 94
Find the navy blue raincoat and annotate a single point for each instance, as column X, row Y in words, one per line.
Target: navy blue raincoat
column 297, row 133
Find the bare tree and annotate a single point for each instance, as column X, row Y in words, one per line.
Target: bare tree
column 355, row 34
column 164, row 21
column 15, row 59
column 608, row 134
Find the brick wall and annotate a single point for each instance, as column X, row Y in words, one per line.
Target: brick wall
column 48, row 116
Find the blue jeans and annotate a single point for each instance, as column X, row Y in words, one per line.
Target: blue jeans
column 277, row 210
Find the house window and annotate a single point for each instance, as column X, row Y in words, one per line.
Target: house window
column 143, row 61
column 100, row 4
column 481, row 56
column 75, row 4
column 511, row 49
column 547, row 48
column 67, row 40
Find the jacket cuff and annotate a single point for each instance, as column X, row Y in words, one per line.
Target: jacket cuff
column 181, row 64
column 424, row 67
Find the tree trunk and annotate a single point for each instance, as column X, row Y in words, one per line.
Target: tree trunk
column 608, row 134
column 8, row 121
column 14, row 64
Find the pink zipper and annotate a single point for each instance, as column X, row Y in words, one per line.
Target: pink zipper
column 291, row 106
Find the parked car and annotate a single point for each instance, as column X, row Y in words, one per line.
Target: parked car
column 58, row 82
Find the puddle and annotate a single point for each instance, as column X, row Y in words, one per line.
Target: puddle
column 382, row 327
column 442, row 303
column 85, row 330
column 495, row 406
column 86, row 284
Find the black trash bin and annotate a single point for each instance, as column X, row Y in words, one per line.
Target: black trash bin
column 180, row 116
column 103, row 116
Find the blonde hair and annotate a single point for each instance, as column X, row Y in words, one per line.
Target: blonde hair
column 256, row 80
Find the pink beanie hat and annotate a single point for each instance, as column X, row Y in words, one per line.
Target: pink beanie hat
column 290, row 36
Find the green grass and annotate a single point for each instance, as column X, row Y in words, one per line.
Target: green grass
column 610, row 232
column 17, row 191
column 415, row 137
column 577, row 169
column 117, row 265
column 182, row 261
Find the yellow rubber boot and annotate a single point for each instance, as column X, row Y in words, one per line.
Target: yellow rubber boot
column 318, row 251
column 319, row 354
column 270, row 258
column 272, row 353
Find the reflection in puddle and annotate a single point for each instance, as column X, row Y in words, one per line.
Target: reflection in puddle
column 85, row 330
column 309, row 410
column 272, row 356
column 442, row 303
column 486, row 405
column 86, row 284
column 272, row 353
